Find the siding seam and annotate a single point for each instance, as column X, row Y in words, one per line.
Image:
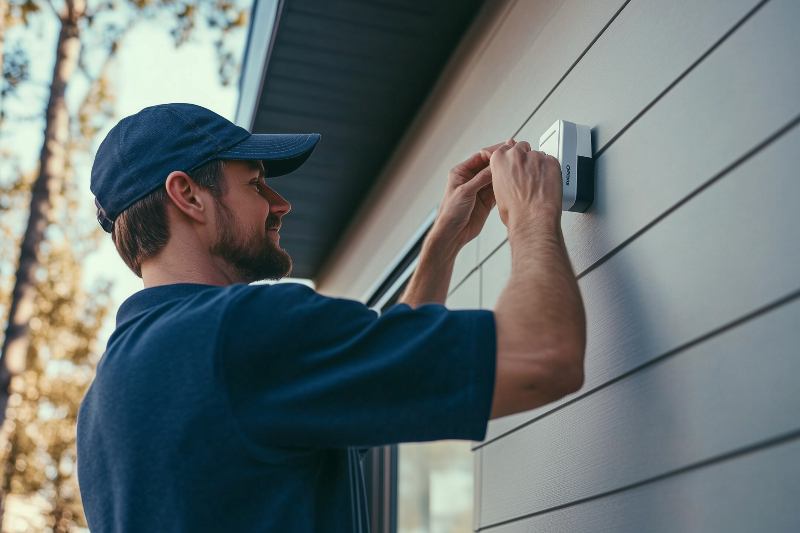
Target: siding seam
column 711, row 181
column 641, row 114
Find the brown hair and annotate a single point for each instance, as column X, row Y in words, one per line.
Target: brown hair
column 142, row 230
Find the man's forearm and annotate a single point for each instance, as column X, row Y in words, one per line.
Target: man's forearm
column 431, row 278
column 542, row 294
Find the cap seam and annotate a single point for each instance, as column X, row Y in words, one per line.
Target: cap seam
column 195, row 125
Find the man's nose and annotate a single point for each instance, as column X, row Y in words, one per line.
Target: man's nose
column 277, row 204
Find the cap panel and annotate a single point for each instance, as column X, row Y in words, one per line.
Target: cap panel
column 142, row 150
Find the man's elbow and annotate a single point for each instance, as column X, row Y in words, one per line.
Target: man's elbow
column 565, row 374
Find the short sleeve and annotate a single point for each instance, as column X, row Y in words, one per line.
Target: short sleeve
column 306, row 370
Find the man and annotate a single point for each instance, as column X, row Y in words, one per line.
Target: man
column 223, row 406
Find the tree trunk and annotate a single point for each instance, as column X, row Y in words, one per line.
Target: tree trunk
column 52, row 165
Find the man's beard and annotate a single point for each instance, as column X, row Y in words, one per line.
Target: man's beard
column 253, row 257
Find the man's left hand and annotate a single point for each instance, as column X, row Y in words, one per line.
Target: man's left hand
column 468, row 199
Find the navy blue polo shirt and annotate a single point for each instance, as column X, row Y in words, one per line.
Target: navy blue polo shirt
column 249, row 407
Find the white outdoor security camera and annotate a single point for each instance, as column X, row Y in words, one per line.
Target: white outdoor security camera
column 571, row 144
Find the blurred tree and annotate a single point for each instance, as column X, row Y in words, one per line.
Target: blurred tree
column 46, row 286
column 39, row 432
column 38, row 437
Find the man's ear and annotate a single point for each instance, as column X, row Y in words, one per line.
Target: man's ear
column 187, row 196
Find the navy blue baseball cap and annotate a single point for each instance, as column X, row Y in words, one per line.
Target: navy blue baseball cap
column 140, row 152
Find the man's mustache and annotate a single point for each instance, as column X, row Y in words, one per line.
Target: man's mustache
column 272, row 222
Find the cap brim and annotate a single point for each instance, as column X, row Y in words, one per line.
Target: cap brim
column 281, row 153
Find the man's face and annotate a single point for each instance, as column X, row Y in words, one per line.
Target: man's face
column 248, row 219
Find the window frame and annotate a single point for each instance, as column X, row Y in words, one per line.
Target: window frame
column 380, row 463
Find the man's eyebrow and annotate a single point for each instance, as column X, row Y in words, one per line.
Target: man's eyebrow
column 258, row 165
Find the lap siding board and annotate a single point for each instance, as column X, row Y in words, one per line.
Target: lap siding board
column 415, row 178
column 734, row 496
column 733, row 391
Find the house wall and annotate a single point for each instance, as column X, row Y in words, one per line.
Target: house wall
column 687, row 260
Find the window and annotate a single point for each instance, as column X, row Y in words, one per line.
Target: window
column 434, row 487
column 416, row 487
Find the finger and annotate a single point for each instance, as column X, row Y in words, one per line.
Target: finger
column 524, row 146
column 481, row 180
column 502, row 150
column 486, row 196
column 492, row 148
column 511, row 142
column 475, row 163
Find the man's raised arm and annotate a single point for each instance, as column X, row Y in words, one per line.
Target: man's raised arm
column 468, row 199
column 540, row 319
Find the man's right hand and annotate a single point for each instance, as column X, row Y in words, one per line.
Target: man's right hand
column 540, row 320
column 526, row 184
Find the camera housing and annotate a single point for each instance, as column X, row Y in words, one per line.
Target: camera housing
column 571, row 144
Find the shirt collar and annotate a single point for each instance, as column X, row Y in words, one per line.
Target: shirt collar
column 146, row 299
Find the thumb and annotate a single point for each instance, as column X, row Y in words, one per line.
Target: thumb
column 481, row 180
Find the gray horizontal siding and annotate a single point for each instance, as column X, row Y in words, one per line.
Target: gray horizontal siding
column 688, row 277
column 731, row 392
column 649, row 46
column 550, row 56
column 467, row 296
column 756, row 492
column 691, row 136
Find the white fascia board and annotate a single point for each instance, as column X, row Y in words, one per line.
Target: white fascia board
column 263, row 24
